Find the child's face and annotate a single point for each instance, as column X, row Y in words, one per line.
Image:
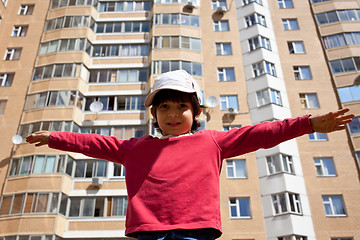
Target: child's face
column 174, row 118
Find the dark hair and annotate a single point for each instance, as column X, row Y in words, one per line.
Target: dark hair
column 165, row 95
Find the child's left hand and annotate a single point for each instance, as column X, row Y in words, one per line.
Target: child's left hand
column 332, row 121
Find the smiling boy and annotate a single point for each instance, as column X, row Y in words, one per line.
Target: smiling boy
column 173, row 181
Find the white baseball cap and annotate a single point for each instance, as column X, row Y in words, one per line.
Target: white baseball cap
column 178, row 80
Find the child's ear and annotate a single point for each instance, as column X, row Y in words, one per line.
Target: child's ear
column 198, row 115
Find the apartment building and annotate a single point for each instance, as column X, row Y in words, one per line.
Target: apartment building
column 87, row 65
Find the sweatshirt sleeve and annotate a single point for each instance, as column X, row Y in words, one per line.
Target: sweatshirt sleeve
column 263, row 135
column 92, row 145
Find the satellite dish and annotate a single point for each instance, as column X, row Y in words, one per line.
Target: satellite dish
column 96, row 106
column 17, row 139
column 357, row 80
column 211, row 101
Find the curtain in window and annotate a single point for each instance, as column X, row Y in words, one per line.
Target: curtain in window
column 338, row 205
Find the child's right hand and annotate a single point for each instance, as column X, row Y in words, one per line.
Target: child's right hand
column 39, row 138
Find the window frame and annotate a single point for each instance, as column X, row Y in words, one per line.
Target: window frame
column 26, row 9
column 239, row 207
column 292, row 201
column 283, row 4
column 231, row 166
column 293, row 47
column 285, row 162
column 226, row 74
column 299, row 73
column 6, row 79
column 223, row 49
column 268, row 96
column 306, row 102
column 225, row 99
column 218, row 26
column 19, row 30
column 330, row 203
column 12, row 54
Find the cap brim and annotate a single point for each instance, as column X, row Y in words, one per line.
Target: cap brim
column 149, row 99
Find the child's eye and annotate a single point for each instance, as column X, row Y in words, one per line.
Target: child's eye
column 183, row 105
column 163, row 106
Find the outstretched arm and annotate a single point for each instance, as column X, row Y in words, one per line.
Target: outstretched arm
column 330, row 122
column 39, row 138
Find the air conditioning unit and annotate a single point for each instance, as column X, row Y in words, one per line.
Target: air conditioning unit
column 221, row 9
column 96, row 181
column 231, row 110
column 190, row 5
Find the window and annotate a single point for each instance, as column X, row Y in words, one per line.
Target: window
column 338, row 15
column 226, row 74
column 58, row 71
column 259, row 42
column 354, row 126
column 125, row 6
column 227, row 128
column 70, row 22
column 221, row 26
column 119, row 170
column 246, row 2
column 89, row 169
column 19, row 31
column 296, row 47
column 223, row 49
column 122, row 27
column 290, row 24
column 177, row 19
column 341, row 39
column 302, row 72
column 334, row 205
column 255, row 19
column 309, row 100
column 12, row 54
column 236, row 168
column 280, row 163
column 117, row 103
column 58, row 3
column 6, row 79
column 240, row 207
column 218, row 3
column 63, row 45
column 118, row 75
column 293, row 237
column 325, row 167
column 118, row 206
column 54, row 98
column 229, row 102
column 285, row 4
column 342, row 238
column 349, row 94
column 264, row 67
column 177, row 42
column 122, row 50
column 193, row 68
column 345, row 65
column 40, row 164
column 286, row 203
column 30, row 203
column 26, row 10
column 2, row 106
column 316, row 1
column 316, row 136
column 268, row 96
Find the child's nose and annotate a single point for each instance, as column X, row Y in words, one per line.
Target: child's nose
column 173, row 113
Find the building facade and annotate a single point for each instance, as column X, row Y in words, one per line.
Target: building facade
column 87, row 65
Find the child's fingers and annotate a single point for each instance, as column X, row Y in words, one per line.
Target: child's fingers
column 341, row 112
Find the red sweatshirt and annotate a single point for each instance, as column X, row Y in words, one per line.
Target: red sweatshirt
column 173, row 183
